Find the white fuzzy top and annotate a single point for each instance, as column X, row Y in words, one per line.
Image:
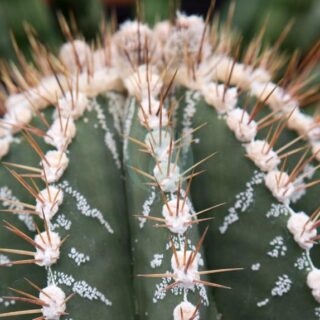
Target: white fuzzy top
column 170, row 182
column 160, row 150
column 73, row 104
column 186, row 278
column 278, row 99
column 238, row 122
column 132, row 39
column 137, row 82
column 220, row 67
column 19, row 114
column 214, row 95
column 51, row 248
column 57, row 164
column 100, row 81
column 52, row 198
column 75, row 54
column 257, row 152
column 4, row 146
column 277, row 182
column 61, row 133
column 178, row 221
column 185, row 311
column 56, row 305
column 300, row 226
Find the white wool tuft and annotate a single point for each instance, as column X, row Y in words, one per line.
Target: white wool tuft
column 178, row 221
column 316, row 149
column 4, row 146
column 48, row 252
column 51, row 199
column 55, row 306
column 185, row 311
column 158, row 142
column 187, row 277
column 215, row 95
column 75, row 54
column 168, row 182
column 238, row 122
column 313, row 282
column 73, row 104
column 258, row 151
column 276, row 97
column 278, row 183
column 57, row 164
column 61, row 133
column 300, row 226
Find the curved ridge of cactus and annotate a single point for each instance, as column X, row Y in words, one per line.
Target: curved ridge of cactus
column 124, row 159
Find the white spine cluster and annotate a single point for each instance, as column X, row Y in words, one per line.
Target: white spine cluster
column 279, row 185
column 73, row 104
column 185, row 311
column 49, row 201
column 48, row 250
column 168, row 180
column 54, row 166
column 54, row 299
column 221, row 98
column 178, row 216
column 260, row 152
column 186, row 276
column 158, row 143
column 300, row 226
column 238, row 121
column 313, row 282
column 61, row 133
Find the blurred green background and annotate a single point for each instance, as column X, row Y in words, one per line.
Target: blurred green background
column 249, row 16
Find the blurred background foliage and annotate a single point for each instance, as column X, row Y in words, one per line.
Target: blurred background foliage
column 249, row 17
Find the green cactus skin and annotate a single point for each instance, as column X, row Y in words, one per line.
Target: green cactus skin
column 89, row 189
column 259, row 241
column 148, row 241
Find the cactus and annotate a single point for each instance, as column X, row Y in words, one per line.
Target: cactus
column 132, row 235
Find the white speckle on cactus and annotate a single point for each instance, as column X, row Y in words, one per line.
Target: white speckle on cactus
column 4, row 260
column 167, row 179
column 4, row 146
column 191, row 99
column 54, row 166
column 185, row 277
column 18, row 116
column 256, row 266
column 263, row 303
column 276, row 210
column 303, row 263
column 243, row 202
column 280, row 186
column 260, row 152
column 278, row 247
column 83, row 206
column 49, row 201
column 72, row 104
column 238, row 121
column 146, row 207
column 61, row 222
column 54, row 299
column 282, row 286
column 156, row 261
column 276, row 97
column 109, row 136
column 300, row 226
column 61, row 133
column 78, row 257
column 178, row 217
column 185, row 311
column 221, row 98
column 48, row 251
column 75, row 55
